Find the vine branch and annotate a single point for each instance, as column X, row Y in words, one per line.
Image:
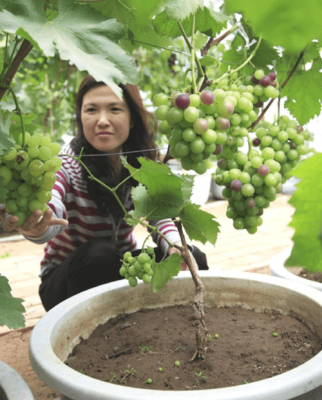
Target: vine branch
column 198, row 306
column 194, row 58
column 252, row 54
column 22, row 53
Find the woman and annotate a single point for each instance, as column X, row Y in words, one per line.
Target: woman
column 84, row 228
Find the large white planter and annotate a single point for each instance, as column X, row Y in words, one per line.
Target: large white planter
column 277, row 269
column 12, row 385
column 55, row 335
column 216, row 190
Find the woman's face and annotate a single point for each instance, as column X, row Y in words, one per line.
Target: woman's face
column 106, row 119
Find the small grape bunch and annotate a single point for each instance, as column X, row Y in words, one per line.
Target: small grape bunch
column 260, row 86
column 139, row 267
column 28, row 174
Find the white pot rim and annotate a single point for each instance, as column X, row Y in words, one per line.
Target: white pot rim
column 50, row 368
column 13, row 385
column 278, row 269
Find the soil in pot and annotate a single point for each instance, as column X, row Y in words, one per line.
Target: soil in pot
column 152, row 348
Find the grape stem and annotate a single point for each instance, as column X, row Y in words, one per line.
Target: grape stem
column 194, row 58
column 146, row 239
column 192, row 50
column 159, row 47
column 198, row 306
column 213, row 42
column 18, row 109
column 252, row 54
column 223, row 36
column 282, row 86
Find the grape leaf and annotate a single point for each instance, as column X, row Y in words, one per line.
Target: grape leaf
column 149, row 207
column 165, row 271
column 127, row 12
column 311, row 52
column 144, row 9
column 161, row 182
column 207, row 60
column 231, row 58
column 307, row 218
column 265, row 54
column 11, row 309
column 290, row 24
column 6, row 141
column 198, row 224
column 15, row 127
column 304, row 95
column 187, row 187
column 181, row 9
column 207, row 21
column 91, row 45
column 133, row 219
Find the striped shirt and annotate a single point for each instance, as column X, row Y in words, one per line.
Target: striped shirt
column 71, row 201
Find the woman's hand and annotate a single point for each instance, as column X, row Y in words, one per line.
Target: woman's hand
column 172, row 250
column 35, row 225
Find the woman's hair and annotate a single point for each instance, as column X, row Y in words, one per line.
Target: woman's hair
column 140, row 143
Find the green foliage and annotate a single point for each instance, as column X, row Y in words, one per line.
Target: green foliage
column 291, row 24
column 181, row 9
column 151, row 207
column 165, row 271
column 169, row 197
column 199, row 224
column 11, row 310
column 168, row 188
column 139, row 31
column 15, row 127
column 49, row 88
column 304, row 95
column 170, row 66
column 6, row 141
column 307, row 219
column 207, row 21
column 91, row 45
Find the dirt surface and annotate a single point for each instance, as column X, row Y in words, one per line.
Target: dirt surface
column 303, row 273
column 14, row 352
column 130, row 349
column 312, row 276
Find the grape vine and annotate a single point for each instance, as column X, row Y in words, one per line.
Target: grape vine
column 217, row 120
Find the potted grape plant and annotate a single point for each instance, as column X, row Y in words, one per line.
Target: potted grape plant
column 218, row 110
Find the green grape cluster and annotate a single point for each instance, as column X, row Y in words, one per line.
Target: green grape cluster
column 211, row 122
column 262, row 87
column 253, row 180
column 29, row 173
column 139, row 267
